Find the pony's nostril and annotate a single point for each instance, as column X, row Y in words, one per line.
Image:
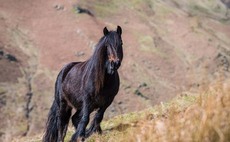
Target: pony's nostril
column 117, row 64
column 111, row 64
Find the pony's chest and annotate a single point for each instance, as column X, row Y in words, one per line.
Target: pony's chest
column 106, row 96
column 101, row 101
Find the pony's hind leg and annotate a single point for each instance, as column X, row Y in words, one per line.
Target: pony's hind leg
column 65, row 113
column 82, row 121
column 76, row 118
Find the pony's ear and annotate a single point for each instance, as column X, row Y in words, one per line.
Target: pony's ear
column 105, row 31
column 119, row 30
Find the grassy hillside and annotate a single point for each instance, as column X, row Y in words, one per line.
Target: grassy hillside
column 188, row 117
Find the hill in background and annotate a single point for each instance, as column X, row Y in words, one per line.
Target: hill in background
column 170, row 48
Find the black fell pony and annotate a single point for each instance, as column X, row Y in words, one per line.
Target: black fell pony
column 85, row 87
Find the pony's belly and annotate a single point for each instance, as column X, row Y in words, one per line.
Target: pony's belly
column 72, row 101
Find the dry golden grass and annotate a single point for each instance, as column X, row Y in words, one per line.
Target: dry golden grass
column 208, row 120
column 200, row 118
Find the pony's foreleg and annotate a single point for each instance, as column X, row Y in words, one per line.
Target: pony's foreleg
column 95, row 125
column 64, row 116
column 84, row 120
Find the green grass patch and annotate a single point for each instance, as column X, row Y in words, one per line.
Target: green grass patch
column 147, row 45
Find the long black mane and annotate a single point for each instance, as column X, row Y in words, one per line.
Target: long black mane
column 96, row 65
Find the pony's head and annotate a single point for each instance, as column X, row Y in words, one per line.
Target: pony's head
column 113, row 43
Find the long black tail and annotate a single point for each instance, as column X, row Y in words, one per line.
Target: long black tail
column 52, row 125
column 51, row 133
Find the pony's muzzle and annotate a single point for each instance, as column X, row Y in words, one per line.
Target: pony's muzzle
column 113, row 66
column 114, row 62
column 117, row 64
